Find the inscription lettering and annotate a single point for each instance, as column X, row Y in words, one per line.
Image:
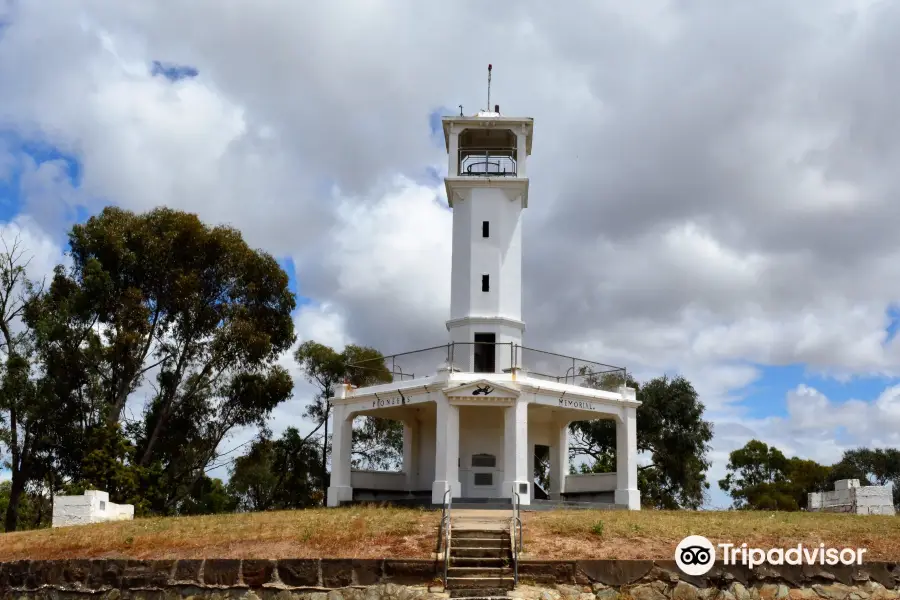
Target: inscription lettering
column 579, row 404
column 393, row 401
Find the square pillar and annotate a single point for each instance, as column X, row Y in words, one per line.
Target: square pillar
column 627, row 493
column 411, row 454
column 515, row 453
column 453, row 153
column 559, row 458
column 521, row 153
column 446, row 452
column 341, row 446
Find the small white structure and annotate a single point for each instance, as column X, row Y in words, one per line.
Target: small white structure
column 850, row 497
column 472, row 424
column 91, row 507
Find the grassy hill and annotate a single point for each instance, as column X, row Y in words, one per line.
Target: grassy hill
column 364, row 532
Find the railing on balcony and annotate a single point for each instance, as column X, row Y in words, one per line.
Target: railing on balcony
column 486, row 162
column 506, row 356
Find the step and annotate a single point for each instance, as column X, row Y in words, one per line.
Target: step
column 471, row 583
column 488, row 572
column 477, row 542
column 476, row 552
column 479, row 534
column 479, row 593
column 479, row 561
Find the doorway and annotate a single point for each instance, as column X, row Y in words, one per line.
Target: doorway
column 485, row 352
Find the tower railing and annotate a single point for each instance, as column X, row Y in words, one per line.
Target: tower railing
column 487, row 357
column 487, row 162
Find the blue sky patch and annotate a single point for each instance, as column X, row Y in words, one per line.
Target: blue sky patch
column 11, row 201
column 291, row 269
column 172, row 71
column 893, row 314
column 766, row 396
column 435, row 126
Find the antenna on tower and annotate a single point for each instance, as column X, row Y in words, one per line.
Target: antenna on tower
column 460, row 110
column 488, row 107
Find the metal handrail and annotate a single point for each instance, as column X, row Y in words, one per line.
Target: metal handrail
column 448, row 503
column 516, row 539
column 440, row 540
column 558, row 367
column 494, row 161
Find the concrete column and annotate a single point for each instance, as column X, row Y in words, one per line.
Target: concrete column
column 627, row 493
column 446, row 452
column 341, row 440
column 515, row 457
column 411, row 454
column 453, row 153
column 559, row 458
column 521, row 154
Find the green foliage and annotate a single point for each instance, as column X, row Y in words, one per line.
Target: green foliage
column 757, row 478
column 208, row 497
column 27, row 420
column 872, row 466
column 379, row 442
column 107, row 463
column 542, row 467
column 173, row 296
column 34, row 510
column 760, row 477
column 156, row 299
column 276, row 474
column 597, row 528
column 670, row 428
column 807, row 476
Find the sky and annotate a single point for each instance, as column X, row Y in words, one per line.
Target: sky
column 713, row 185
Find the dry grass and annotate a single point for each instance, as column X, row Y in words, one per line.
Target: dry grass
column 655, row 534
column 344, row 532
column 363, row 532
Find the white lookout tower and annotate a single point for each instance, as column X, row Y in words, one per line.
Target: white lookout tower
column 487, row 408
column 487, row 187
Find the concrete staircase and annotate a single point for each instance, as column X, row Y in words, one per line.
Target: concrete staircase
column 481, row 557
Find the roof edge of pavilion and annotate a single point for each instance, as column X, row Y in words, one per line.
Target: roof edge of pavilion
column 443, row 380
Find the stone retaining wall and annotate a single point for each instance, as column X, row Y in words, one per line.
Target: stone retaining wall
column 346, row 579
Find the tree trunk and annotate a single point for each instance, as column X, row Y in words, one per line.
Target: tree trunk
column 15, row 498
column 324, row 455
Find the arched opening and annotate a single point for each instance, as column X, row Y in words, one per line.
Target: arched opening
column 592, row 460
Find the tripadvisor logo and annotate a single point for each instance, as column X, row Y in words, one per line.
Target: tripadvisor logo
column 696, row 555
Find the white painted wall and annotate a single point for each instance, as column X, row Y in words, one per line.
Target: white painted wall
column 426, row 453
column 590, row 482
column 499, row 255
column 378, row 480
column 848, row 496
column 480, row 432
column 91, row 507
